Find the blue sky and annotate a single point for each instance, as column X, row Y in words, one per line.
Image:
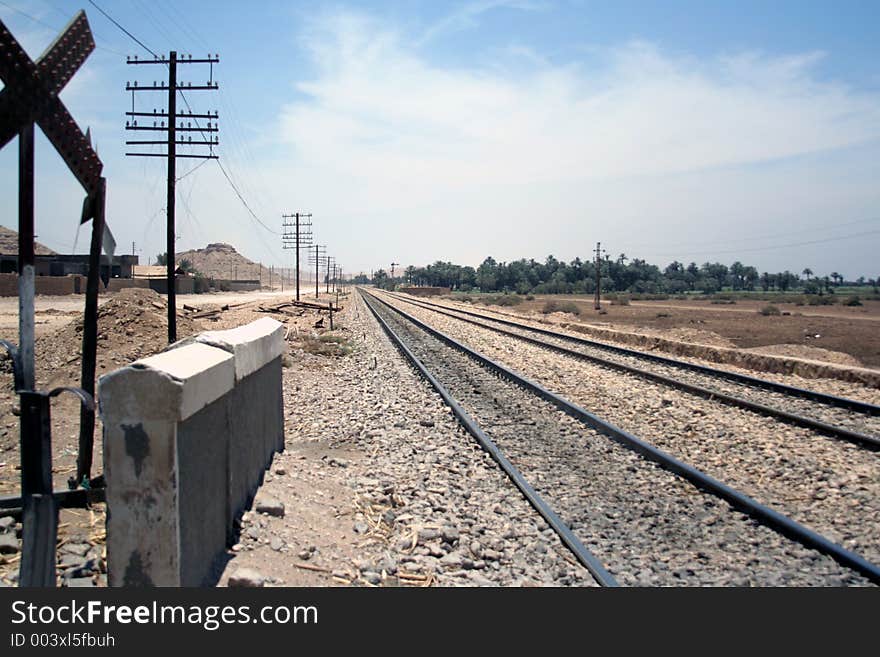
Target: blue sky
column 420, row 131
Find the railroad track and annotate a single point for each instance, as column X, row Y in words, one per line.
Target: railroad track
column 846, row 419
column 625, row 519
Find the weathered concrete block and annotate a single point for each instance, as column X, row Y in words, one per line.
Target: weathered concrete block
column 142, row 406
column 194, row 376
column 188, row 434
column 253, row 345
column 257, row 422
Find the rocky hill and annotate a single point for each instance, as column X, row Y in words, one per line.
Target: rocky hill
column 9, row 243
column 222, row 261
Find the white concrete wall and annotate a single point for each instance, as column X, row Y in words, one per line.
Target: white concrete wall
column 145, row 408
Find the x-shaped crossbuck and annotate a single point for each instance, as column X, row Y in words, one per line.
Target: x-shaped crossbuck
column 30, row 95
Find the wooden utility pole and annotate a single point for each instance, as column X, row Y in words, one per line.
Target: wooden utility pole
column 598, row 262
column 298, row 238
column 171, row 144
column 317, row 258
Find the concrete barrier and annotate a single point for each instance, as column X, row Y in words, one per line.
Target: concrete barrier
column 188, row 434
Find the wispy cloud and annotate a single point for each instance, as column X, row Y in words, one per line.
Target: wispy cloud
column 467, row 16
column 635, row 111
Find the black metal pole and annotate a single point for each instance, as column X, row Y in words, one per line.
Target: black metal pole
column 172, row 173
column 317, row 270
column 90, row 342
column 26, row 271
column 39, row 518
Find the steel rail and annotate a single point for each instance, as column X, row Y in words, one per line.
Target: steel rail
column 587, row 558
column 813, row 395
column 861, row 439
column 740, row 501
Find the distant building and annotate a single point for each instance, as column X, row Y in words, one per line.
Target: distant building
column 149, row 271
column 49, row 263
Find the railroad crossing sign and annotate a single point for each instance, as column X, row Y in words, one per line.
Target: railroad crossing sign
column 30, row 97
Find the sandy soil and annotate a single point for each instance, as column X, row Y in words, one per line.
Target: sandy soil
column 853, row 331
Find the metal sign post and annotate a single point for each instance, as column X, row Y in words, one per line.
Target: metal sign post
column 29, row 97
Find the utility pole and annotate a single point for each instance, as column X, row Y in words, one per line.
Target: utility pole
column 297, row 239
column 317, row 260
column 171, row 143
column 598, row 262
column 329, row 262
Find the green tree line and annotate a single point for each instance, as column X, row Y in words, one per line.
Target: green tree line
column 616, row 275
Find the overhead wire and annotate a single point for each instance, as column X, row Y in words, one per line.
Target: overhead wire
column 236, row 142
column 53, row 27
column 226, row 175
column 129, row 34
column 751, row 236
column 777, row 246
column 193, row 170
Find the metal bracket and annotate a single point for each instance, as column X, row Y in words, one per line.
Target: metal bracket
column 87, row 400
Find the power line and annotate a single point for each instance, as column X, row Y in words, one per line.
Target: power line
column 132, row 36
column 193, row 170
column 245, row 203
column 753, row 237
column 26, row 15
column 777, row 246
column 143, row 9
column 198, row 125
column 52, row 27
column 186, row 102
column 237, row 146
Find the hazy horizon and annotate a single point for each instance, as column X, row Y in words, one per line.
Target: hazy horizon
column 425, row 131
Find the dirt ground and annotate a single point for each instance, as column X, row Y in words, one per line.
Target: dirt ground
column 854, row 331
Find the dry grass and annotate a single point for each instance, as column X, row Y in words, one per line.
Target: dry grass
column 554, row 306
column 327, row 344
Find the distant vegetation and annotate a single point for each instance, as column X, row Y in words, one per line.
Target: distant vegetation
column 561, row 307
column 636, row 277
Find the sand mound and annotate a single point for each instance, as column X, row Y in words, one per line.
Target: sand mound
column 808, row 353
column 131, row 325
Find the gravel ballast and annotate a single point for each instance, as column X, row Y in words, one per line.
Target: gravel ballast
column 425, row 505
column 829, row 414
column 648, row 526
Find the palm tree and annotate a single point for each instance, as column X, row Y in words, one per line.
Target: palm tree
column 807, row 273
